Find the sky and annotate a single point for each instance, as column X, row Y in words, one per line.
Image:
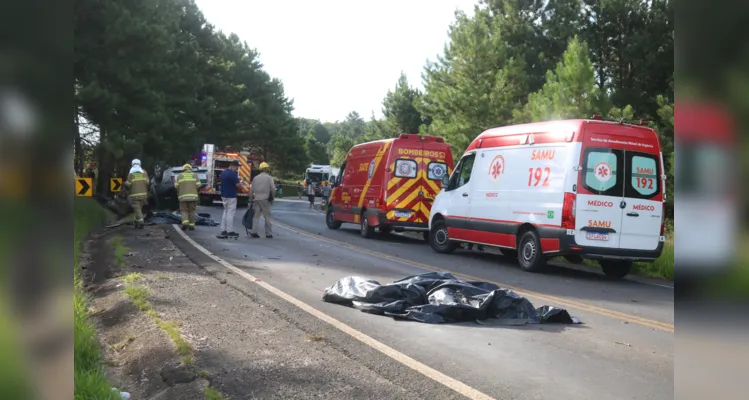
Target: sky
column 337, row 56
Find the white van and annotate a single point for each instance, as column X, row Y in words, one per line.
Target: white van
column 577, row 188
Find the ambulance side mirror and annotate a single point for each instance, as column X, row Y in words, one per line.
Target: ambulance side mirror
column 445, row 181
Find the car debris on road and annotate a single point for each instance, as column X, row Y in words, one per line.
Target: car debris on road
column 440, row 297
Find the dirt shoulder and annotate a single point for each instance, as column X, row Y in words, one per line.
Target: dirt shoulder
column 177, row 325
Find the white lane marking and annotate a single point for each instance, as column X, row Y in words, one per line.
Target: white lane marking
column 437, row 376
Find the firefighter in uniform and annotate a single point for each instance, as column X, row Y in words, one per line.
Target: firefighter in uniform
column 187, row 193
column 137, row 182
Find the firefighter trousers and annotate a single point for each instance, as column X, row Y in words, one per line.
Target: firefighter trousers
column 261, row 207
column 138, row 204
column 188, row 209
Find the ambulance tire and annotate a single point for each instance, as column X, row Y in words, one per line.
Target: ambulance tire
column 439, row 240
column 530, row 257
column 366, row 230
column 330, row 220
column 615, row 269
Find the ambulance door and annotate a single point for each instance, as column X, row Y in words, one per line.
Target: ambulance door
column 600, row 197
column 643, row 212
column 456, row 200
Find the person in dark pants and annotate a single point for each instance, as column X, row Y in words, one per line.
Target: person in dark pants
column 299, row 190
column 311, row 194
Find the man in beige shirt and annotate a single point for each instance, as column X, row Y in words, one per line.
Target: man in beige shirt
column 262, row 190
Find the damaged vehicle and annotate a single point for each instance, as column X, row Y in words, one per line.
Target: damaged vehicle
column 163, row 192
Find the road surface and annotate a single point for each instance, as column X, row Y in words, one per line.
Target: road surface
column 623, row 350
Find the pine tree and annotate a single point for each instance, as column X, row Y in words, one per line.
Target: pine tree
column 570, row 90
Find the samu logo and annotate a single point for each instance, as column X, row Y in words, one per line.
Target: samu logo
column 371, row 170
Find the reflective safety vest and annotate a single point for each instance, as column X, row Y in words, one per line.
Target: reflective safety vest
column 138, row 183
column 187, row 186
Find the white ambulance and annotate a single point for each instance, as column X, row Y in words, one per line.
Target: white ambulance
column 589, row 189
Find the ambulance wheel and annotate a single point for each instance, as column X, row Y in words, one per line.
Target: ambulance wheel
column 366, row 230
column 439, row 240
column 330, row 220
column 530, row 257
column 615, row 268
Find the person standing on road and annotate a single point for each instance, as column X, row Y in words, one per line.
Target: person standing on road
column 326, row 193
column 299, row 190
column 262, row 190
column 187, row 194
column 230, row 185
column 137, row 183
column 311, row 194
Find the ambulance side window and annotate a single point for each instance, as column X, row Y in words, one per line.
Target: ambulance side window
column 462, row 173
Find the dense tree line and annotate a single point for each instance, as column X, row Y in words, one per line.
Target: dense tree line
column 155, row 80
column 517, row 61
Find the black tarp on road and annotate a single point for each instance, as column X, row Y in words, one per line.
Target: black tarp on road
column 440, row 297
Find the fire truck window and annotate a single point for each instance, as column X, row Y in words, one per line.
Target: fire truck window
column 436, row 170
column 602, row 172
column 406, row 168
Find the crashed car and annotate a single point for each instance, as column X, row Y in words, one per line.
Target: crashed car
column 163, row 192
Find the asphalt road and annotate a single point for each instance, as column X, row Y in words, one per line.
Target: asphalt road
column 623, row 350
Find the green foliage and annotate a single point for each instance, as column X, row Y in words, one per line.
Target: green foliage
column 570, row 90
column 316, row 151
column 156, row 81
column 400, row 110
column 89, row 378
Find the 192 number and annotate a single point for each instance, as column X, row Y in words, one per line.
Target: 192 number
column 536, row 174
column 645, row 183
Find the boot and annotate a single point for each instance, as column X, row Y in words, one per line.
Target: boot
column 184, row 227
column 192, row 228
column 232, row 234
column 254, row 235
column 222, row 235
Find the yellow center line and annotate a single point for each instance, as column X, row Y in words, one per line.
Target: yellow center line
column 659, row 325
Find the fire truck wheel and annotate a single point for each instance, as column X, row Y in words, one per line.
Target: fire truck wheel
column 439, row 240
column 530, row 257
column 330, row 220
column 615, row 268
column 366, row 230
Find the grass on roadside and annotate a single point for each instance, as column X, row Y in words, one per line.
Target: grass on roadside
column 131, row 277
column 662, row 267
column 119, row 248
column 139, row 297
column 88, row 376
column 212, row 394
